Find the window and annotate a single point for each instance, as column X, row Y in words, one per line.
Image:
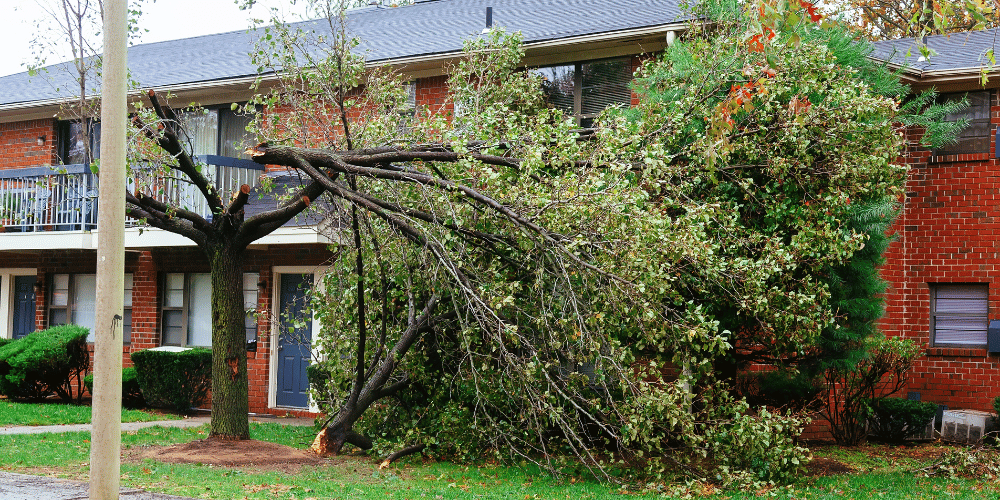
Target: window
column 187, row 309
column 251, row 295
column 975, row 138
column 959, row 314
column 73, row 300
column 215, row 131
column 408, row 108
column 583, row 90
column 73, row 147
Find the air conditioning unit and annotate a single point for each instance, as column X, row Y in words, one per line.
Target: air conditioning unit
column 965, row 426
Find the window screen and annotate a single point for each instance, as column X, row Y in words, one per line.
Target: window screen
column 959, row 314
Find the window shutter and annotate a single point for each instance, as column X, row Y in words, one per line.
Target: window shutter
column 960, row 314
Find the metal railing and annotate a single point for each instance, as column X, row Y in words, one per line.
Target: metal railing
column 65, row 198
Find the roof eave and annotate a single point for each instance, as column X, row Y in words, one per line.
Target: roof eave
column 420, row 65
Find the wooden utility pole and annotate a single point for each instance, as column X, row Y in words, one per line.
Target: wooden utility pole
column 106, row 439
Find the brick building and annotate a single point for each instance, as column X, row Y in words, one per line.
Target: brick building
column 943, row 269
column 48, row 201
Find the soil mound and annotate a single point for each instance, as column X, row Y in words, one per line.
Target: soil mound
column 225, row 453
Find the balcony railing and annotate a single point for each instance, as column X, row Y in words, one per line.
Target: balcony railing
column 65, row 198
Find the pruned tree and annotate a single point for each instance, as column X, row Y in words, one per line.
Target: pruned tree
column 224, row 240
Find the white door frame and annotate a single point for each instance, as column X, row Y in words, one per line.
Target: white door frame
column 276, row 272
column 7, row 296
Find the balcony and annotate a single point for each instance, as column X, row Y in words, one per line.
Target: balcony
column 64, row 199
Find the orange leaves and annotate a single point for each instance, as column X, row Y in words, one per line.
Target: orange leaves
column 811, row 9
column 774, row 15
column 756, row 42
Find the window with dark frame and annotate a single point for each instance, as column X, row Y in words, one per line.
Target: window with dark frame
column 72, row 145
column 215, row 131
column 72, row 300
column 976, row 137
column 959, row 314
column 584, row 89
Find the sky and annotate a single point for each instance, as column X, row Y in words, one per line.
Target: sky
column 164, row 20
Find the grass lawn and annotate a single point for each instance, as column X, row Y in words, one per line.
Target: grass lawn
column 12, row 413
column 67, row 455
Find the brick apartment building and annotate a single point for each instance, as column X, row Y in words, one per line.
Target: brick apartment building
column 48, row 201
column 943, row 269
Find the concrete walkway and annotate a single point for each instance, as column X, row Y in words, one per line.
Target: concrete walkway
column 134, row 426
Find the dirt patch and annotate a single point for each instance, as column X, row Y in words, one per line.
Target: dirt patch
column 256, row 455
column 820, row 466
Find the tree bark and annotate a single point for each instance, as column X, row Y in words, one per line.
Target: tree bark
column 230, row 385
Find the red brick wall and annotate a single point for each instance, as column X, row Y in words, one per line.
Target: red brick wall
column 947, row 233
column 19, row 146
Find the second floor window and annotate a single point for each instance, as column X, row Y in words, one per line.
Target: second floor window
column 584, row 89
column 76, row 146
column 216, row 131
column 975, row 138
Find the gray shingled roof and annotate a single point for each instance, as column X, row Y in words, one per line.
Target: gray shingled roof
column 424, row 29
column 951, row 53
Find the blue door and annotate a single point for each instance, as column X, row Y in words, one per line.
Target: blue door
column 294, row 341
column 23, row 321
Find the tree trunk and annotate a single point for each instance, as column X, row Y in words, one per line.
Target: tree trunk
column 230, row 389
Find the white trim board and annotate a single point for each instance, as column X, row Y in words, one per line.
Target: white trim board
column 317, row 273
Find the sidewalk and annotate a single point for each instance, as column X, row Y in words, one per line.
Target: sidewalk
column 25, row 487
column 133, row 426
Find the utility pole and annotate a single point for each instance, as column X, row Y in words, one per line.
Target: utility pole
column 106, row 438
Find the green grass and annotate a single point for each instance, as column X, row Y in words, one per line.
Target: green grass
column 67, row 455
column 12, row 413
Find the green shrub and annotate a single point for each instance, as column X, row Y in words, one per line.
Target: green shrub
column 4, row 342
column 131, row 395
column 174, row 380
column 45, row 363
column 895, row 419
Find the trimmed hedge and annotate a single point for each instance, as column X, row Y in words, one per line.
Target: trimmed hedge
column 4, row 342
column 174, row 380
column 131, row 395
column 44, row 363
column 895, row 419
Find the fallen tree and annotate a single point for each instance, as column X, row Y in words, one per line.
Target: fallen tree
column 517, row 285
